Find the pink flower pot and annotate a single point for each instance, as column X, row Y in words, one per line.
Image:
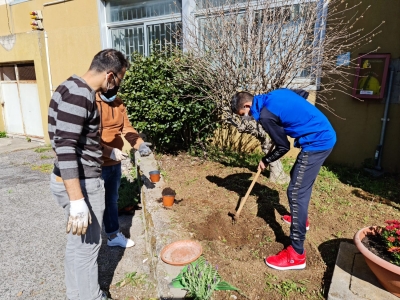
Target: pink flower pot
column 387, row 273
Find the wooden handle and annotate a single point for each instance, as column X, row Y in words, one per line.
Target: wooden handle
column 248, row 193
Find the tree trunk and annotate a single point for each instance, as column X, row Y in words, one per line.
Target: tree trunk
column 277, row 175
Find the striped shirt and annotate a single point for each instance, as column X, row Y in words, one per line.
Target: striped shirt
column 74, row 130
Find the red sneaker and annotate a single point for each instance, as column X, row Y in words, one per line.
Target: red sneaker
column 287, row 259
column 288, row 219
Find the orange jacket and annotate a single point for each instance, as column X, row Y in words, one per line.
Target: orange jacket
column 114, row 122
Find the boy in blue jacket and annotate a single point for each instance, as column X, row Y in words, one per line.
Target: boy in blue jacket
column 283, row 113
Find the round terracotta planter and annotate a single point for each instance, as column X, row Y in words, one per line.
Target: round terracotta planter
column 387, row 273
column 168, row 200
column 154, row 176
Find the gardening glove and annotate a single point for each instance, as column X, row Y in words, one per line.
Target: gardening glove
column 118, row 155
column 144, row 150
column 79, row 217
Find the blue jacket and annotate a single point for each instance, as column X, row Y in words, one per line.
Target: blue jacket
column 284, row 113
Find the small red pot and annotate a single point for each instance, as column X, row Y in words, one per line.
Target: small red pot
column 387, row 273
column 168, row 200
column 154, row 176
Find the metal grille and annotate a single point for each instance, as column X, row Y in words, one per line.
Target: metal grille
column 7, row 73
column 26, row 72
column 163, row 35
column 128, row 40
column 133, row 9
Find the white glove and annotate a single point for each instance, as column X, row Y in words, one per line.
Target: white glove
column 118, row 155
column 144, row 149
column 79, row 217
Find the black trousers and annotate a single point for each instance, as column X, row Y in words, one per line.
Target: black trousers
column 302, row 178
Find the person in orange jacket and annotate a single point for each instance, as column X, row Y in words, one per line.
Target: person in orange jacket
column 114, row 124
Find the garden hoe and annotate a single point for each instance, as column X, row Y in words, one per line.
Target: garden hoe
column 235, row 216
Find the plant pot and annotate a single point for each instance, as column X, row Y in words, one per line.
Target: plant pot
column 168, row 200
column 154, row 176
column 387, row 273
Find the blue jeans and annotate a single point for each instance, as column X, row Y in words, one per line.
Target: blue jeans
column 81, row 270
column 112, row 180
column 302, row 177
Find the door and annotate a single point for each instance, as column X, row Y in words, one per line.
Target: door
column 20, row 100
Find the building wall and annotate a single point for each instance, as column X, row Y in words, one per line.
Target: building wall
column 73, row 33
column 359, row 134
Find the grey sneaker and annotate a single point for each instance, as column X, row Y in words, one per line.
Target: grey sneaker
column 104, row 296
column 120, row 240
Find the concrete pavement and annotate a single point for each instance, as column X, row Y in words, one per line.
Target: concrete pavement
column 33, row 238
column 18, row 143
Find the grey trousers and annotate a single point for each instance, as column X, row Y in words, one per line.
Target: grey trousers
column 81, row 270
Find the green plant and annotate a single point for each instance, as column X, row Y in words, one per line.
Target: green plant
column 3, row 134
column 132, row 278
column 201, row 279
column 287, row 286
column 45, row 157
column 128, row 193
column 161, row 105
column 45, row 168
column 391, row 238
column 42, row 149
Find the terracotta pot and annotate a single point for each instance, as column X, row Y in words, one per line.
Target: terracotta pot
column 168, row 200
column 387, row 273
column 154, row 176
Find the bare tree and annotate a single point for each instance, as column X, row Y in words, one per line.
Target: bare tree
column 263, row 45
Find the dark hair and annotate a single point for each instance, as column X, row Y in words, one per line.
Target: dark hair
column 239, row 99
column 109, row 60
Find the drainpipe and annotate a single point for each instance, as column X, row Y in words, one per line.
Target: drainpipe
column 48, row 62
column 378, row 152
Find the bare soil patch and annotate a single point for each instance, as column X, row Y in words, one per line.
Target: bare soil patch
column 207, row 191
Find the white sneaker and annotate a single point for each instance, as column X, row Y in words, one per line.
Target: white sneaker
column 120, row 240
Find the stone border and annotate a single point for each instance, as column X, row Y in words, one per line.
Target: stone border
column 160, row 228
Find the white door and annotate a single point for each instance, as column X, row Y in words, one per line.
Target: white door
column 31, row 115
column 12, row 108
column 20, row 100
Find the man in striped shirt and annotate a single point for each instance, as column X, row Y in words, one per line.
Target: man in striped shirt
column 76, row 181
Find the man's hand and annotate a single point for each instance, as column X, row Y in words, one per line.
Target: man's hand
column 261, row 165
column 79, row 217
column 118, row 155
column 144, row 150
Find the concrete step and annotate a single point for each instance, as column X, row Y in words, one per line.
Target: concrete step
column 353, row 280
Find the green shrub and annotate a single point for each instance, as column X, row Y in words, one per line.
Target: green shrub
column 162, row 106
column 3, row 134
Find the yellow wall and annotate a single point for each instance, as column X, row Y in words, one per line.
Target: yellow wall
column 73, row 39
column 359, row 134
column 30, row 47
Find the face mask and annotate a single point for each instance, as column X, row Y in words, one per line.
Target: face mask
column 110, row 95
column 247, row 117
column 109, row 100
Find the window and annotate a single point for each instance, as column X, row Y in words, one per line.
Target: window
column 285, row 32
column 24, row 72
column 139, row 26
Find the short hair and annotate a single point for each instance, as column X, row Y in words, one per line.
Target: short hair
column 239, row 99
column 109, row 60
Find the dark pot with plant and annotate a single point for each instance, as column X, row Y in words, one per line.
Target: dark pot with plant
column 168, row 196
column 380, row 247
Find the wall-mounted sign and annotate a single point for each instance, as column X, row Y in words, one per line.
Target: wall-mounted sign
column 371, row 74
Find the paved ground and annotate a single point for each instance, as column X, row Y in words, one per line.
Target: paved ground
column 32, row 231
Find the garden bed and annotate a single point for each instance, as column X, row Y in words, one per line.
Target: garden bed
column 208, row 190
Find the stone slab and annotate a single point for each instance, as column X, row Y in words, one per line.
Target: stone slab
column 15, row 144
column 353, row 280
